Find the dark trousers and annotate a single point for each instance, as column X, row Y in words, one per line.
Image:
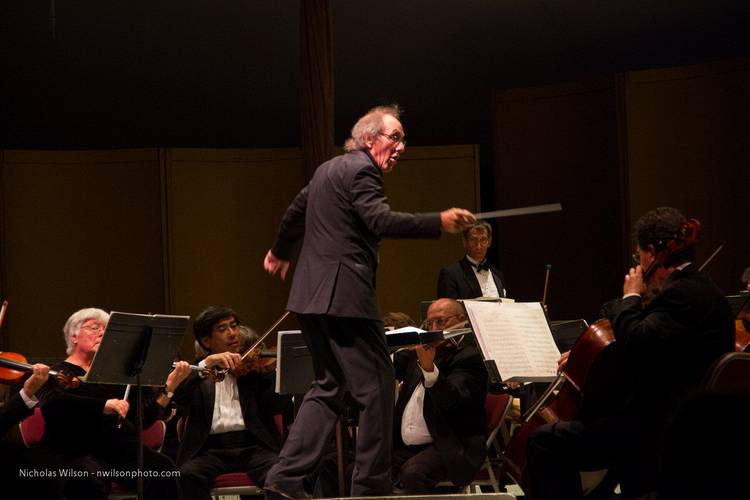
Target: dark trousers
column 197, row 475
column 349, row 355
column 558, row 452
column 98, row 475
column 418, row 469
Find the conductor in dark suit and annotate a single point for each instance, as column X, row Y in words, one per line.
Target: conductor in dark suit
column 439, row 426
column 473, row 276
column 228, row 426
column 341, row 216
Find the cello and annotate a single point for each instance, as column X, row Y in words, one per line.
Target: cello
column 563, row 399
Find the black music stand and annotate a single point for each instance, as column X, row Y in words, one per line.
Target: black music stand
column 137, row 349
column 738, row 302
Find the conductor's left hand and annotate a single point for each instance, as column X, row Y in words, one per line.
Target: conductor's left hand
column 273, row 265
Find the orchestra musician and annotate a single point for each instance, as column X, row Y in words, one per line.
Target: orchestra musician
column 228, row 425
column 439, row 425
column 473, row 276
column 665, row 346
column 341, row 216
column 81, row 423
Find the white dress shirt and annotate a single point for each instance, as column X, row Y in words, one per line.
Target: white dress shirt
column 486, row 281
column 413, row 426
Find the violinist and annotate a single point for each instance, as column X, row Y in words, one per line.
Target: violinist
column 439, row 420
column 228, row 425
column 22, row 404
column 15, row 457
column 664, row 344
column 81, row 423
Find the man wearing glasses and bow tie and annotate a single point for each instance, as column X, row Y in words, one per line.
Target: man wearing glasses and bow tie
column 473, row 276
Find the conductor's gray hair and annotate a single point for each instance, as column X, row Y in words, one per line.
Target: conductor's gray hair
column 369, row 126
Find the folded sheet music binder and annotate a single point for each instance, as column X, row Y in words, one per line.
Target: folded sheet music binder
column 412, row 336
column 294, row 368
column 515, row 340
column 134, row 343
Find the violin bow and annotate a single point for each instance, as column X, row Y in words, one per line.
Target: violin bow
column 219, row 373
column 711, row 257
column 548, row 268
column 3, row 309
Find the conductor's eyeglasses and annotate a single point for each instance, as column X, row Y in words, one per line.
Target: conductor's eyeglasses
column 395, row 137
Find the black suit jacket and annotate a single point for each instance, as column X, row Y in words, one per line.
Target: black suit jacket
column 458, row 281
column 195, row 402
column 665, row 348
column 454, row 408
column 13, row 412
column 343, row 214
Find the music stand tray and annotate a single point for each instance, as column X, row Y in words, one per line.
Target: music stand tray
column 137, row 343
column 294, row 368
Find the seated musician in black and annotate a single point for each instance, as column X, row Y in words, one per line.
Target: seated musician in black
column 228, row 425
column 23, row 469
column 669, row 328
column 81, row 424
column 439, row 420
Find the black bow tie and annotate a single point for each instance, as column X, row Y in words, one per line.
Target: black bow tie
column 484, row 266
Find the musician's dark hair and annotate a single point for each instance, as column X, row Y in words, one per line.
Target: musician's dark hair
column 481, row 225
column 205, row 321
column 746, row 275
column 660, row 226
column 398, row 320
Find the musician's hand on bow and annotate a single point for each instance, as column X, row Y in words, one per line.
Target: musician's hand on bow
column 562, row 361
column 455, row 220
column 228, row 360
column 37, row 379
column 273, row 265
column 116, row 407
column 426, row 357
column 179, row 373
column 634, row 281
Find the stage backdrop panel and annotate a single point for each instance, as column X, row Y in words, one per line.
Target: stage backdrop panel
column 688, row 131
column 79, row 229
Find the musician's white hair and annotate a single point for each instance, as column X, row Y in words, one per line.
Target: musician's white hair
column 73, row 326
column 369, row 126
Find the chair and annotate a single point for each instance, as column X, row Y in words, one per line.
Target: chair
column 496, row 408
column 233, row 483
column 32, row 428
column 707, row 435
column 32, row 433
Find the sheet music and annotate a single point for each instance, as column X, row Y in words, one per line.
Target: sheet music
column 517, row 337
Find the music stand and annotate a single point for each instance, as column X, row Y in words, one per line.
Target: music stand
column 137, row 349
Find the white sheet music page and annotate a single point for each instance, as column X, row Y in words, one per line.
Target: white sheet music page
column 516, row 336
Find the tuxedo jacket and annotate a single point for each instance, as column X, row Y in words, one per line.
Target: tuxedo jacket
column 458, row 281
column 454, row 408
column 342, row 215
column 195, row 397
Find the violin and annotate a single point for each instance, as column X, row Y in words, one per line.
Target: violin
column 13, row 367
column 249, row 357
